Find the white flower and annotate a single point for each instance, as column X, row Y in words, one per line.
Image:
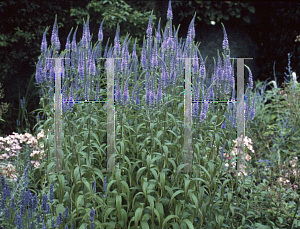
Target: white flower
column 294, row 171
column 248, row 157
column 242, row 166
column 240, row 174
column 294, row 77
column 213, row 22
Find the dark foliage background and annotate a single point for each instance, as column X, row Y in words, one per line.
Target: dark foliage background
column 274, row 25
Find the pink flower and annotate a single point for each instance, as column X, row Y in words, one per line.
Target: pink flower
column 248, row 157
column 294, row 172
column 5, row 156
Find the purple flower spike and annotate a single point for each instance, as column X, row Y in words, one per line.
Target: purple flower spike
column 18, row 221
column 195, row 62
column 154, row 62
column 134, row 51
column 45, row 205
column 100, row 34
column 159, row 92
column 225, row 41
column 84, row 37
column 67, row 212
column 158, row 36
column 196, row 104
column 252, row 113
column 53, row 37
column 97, row 91
column 118, row 92
column 87, row 91
column 39, row 71
column 13, row 204
column 57, row 43
column 192, row 27
column 87, row 30
column 125, row 92
column 74, row 45
column 137, row 101
column 7, row 213
column 105, row 51
column 202, row 71
column 92, row 215
column 51, row 194
column 169, row 12
column 152, row 95
column 144, row 58
column 149, row 29
column 68, row 46
column 117, row 42
column 44, row 42
column 92, row 66
column 81, row 69
column 71, row 97
column 59, row 219
column 147, row 93
column 211, row 93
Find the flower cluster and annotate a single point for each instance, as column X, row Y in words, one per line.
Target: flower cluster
column 12, row 145
column 231, row 157
column 8, row 171
column 294, row 173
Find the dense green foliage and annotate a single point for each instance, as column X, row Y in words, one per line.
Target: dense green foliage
column 23, row 23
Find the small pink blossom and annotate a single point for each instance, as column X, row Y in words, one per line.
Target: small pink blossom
column 248, row 157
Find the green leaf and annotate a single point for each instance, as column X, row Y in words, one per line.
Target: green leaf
column 251, row 9
column 260, row 226
column 244, row 4
column 246, row 19
column 168, row 218
column 232, row 13
column 188, row 222
column 79, row 200
column 13, row 40
column 60, row 208
column 220, row 16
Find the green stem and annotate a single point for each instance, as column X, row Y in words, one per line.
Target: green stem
column 292, row 223
column 89, row 144
column 78, row 166
column 122, row 138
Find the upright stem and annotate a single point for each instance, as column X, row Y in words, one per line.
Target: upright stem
column 89, row 143
column 78, row 166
